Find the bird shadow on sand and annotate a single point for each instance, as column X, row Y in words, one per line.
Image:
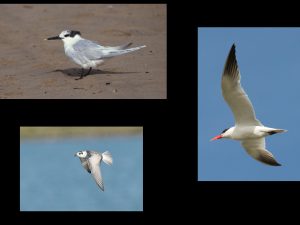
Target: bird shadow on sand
column 75, row 72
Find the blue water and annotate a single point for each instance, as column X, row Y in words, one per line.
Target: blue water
column 52, row 179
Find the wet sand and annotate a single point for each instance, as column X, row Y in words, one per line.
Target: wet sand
column 32, row 68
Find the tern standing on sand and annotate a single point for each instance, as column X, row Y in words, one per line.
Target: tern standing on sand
column 89, row 54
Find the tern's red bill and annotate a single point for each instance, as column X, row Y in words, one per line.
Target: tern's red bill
column 216, row 138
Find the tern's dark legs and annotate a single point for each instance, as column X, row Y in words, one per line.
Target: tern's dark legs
column 82, row 73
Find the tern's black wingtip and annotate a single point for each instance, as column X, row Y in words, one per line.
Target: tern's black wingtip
column 275, row 164
column 231, row 57
column 232, row 48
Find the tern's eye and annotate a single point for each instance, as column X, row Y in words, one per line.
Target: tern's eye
column 80, row 153
column 67, row 35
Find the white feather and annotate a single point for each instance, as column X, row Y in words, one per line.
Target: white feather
column 107, row 158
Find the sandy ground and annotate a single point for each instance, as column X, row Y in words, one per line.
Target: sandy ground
column 33, row 68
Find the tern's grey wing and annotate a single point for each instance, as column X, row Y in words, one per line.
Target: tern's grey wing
column 76, row 56
column 88, row 49
column 93, row 51
column 84, row 163
column 108, row 53
column 257, row 149
column 235, row 95
column 94, row 165
column 120, row 47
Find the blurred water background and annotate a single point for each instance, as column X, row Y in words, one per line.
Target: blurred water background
column 52, row 179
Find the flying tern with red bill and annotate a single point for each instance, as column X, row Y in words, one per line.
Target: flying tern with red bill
column 248, row 130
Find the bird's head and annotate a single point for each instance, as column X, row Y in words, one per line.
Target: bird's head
column 66, row 35
column 81, row 154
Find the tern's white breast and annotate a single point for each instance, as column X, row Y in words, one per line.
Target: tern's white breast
column 248, row 132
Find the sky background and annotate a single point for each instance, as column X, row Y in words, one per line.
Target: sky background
column 269, row 62
column 52, row 179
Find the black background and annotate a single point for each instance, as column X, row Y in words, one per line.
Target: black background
column 171, row 190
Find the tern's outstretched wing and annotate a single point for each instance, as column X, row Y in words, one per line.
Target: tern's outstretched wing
column 94, row 166
column 235, row 95
column 257, row 149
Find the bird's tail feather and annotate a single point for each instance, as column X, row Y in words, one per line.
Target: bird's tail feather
column 107, row 158
column 280, row 130
column 111, row 52
column 275, row 131
column 121, row 47
column 135, row 48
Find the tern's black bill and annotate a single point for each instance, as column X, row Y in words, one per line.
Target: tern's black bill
column 53, row 38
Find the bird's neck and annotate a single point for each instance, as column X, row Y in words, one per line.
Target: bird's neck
column 71, row 41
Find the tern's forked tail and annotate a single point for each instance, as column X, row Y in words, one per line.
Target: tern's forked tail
column 275, row 131
column 107, row 158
